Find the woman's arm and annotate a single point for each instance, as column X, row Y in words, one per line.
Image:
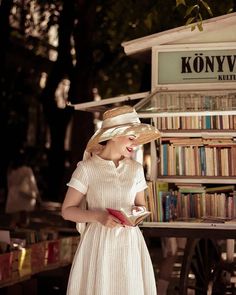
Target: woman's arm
column 71, row 210
column 139, row 203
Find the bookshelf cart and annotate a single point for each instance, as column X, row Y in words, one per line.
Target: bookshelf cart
column 193, row 103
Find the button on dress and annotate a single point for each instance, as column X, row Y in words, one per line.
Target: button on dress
column 110, row 261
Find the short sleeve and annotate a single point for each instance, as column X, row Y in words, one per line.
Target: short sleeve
column 141, row 182
column 79, row 179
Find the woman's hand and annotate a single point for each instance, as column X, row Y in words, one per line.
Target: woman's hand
column 108, row 220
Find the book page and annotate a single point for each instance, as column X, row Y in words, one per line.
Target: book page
column 127, row 218
column 136, row 217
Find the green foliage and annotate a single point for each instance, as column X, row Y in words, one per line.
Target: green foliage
column 197, row 10
column 205, row 4
column 179, row 2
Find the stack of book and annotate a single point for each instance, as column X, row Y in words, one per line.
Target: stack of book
column 22, row 255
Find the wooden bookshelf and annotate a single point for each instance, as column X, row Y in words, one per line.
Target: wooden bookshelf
column 197, row 146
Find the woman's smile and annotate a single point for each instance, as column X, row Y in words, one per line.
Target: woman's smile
column 129, row 149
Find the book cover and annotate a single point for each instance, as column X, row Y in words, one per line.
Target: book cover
column 160, row 187
column 24, row 262
column 149, row 197
column 127, row 218
column 53, row 252
column 5, row 266
column 66, row 249
column 223, row 188
column 38, row 256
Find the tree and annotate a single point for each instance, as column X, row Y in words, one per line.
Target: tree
column 89, row 55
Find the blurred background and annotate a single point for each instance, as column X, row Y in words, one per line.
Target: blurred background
column 57, row 51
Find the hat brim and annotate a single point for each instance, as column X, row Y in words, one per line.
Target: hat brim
column 144, row 133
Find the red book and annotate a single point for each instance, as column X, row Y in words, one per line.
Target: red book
column 53, row 249
column 38, row 254
column 5, row 266
column 127, row 218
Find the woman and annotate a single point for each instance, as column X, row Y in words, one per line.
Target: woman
column 110, row 259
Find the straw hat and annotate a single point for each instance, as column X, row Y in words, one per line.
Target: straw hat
column 122, row 121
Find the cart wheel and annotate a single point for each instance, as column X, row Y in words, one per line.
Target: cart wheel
column 200, row 261
column 222, row 279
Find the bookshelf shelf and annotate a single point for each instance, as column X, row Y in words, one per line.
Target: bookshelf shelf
column 186, row 114
column 192, row 230
column 188, row 103
column 196, row 179
column 192, row 225
column 197, row 133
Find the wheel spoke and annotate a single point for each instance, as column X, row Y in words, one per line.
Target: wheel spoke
column 198, row 269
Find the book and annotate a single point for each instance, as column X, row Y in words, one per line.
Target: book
column 128, row 218
column 215, row 219
column 189, row 189
column 24, row 262
column 149, row 199
column 223, row 188
column 53, row 252
column 160, row 188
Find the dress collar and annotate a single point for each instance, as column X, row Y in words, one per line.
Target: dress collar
column 104, row 162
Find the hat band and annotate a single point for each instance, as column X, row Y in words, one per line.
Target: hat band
column 128, row 118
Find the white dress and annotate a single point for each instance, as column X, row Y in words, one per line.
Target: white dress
column 110, row 261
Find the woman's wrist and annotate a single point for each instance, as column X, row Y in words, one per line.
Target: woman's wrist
column 98, row 216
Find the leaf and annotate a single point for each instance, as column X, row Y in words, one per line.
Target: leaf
column 193, row 27
column 179, row 2
column 190, row 9
column 205, row 4
column 189, row 20
column 148, row 21
column 199, row 25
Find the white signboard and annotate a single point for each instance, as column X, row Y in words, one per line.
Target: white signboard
column 180, row 66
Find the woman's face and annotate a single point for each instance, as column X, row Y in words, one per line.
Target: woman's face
column 125, row 145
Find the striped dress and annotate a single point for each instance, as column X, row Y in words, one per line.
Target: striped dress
column 110, row 261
